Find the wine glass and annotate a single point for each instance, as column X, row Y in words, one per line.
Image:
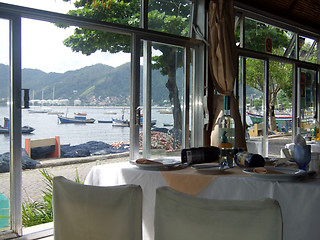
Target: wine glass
column 302, row 156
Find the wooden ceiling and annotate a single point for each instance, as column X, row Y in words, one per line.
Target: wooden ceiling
column 301, row 12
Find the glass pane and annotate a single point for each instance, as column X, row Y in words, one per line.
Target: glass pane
column 59, row 6
column 170, row 16
column 307, row 109
column 280, row 107
column 4, row 137
column 114, row 11
column 254, row 98
column 72, row 78
column 308, row 50
column 264, row 38
column 167, row 100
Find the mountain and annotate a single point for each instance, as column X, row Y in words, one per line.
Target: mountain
column 97, row 82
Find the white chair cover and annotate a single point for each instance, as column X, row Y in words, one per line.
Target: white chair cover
column 181, row 216
column 83, row 212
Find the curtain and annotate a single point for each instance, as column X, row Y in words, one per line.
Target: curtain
column 223, row 66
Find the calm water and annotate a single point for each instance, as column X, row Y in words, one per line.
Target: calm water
column 47, row 126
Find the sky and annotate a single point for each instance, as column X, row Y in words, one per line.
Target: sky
column 42, row 42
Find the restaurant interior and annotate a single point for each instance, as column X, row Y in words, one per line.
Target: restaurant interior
column 225, row 48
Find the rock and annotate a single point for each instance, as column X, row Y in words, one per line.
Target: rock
column 91, row 148
column 27, row 163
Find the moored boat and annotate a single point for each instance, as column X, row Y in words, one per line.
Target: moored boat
column 165, row 111
column 75, row 119
column 120, row 122
column 5, row 129
column 104, row 121
column 257, row 118
column 80, row 114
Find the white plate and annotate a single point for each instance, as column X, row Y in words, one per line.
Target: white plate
column 164, row 164
column 208, row 168
column 287, row 174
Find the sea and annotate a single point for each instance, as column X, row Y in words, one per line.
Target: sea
column 47, row 125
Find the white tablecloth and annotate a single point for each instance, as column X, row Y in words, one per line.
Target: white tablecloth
column 299, row 201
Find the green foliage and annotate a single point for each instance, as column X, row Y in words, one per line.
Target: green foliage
column 34, row 212
column 280, row 74
column 256, row 33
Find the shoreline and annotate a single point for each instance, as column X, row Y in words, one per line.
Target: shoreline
column 55, row 162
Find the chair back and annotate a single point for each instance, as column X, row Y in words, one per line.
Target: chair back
column 182, row 216
column 85, row 212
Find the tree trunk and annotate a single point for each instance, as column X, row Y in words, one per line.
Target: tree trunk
column 272, row 116
column 173, row 90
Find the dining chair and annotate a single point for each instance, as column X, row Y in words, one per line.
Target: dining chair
column 85, row 212
column 182, row 216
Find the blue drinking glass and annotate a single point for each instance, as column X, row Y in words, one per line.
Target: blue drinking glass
column 302, row 156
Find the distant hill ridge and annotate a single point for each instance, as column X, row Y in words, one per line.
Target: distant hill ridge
column 98, row 80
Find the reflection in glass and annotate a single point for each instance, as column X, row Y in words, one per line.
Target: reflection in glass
column 264, row 37
column 166, row 100
column 170, row 16
column 254, row 104
column 307, row 93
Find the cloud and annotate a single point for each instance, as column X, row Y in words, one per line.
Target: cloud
column 43, row 48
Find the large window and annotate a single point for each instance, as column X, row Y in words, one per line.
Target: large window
column 280, row 99
column 74, row 66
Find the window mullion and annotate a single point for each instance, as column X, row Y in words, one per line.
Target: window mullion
column 15, row 126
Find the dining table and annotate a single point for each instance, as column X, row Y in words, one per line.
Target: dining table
column 299, row 197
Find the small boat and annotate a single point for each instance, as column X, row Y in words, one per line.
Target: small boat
column 76, row 119
column 165, row 111
column 116, row 122
column 5, row 129
column 257, row 118
column 104, row 121
column 120, row 122
column 167, row 124
column 37, row 111
column 55, row 113
column 110, row 113
column 80, row 114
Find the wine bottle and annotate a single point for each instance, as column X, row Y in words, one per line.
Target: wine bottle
column 226, row 135
column 200, row 155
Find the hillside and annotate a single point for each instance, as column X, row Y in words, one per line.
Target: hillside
column 89, row 84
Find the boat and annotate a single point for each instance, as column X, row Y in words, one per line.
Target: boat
column 37, row 111
column 110, row 113
column 80, row 114
column 116, row 122
column 167, row 124
column 55, row 113
column 120, row 122
column 104, row 121
column 165, row 111
column 76, row 119
column 258, row 118
column 5, row 129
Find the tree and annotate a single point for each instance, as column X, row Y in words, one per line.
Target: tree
column 169, row 16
